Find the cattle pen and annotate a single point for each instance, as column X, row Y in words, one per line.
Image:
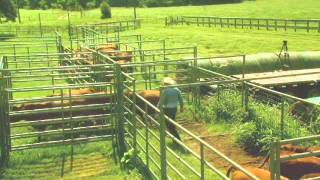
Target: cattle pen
column 83, row 94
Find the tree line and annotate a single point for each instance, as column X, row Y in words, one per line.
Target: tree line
column 89, row 4
column 8, row 7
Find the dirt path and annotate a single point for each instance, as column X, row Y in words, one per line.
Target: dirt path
column 225, row 143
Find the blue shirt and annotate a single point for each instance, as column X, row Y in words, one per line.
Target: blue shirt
column 170, row 98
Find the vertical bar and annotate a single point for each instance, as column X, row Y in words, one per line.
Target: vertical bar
column 147, row 134
column 62, row 165
column 202, row 161
column 135, row 13
column 164, row 56
column 215, row 22
column 29, row 60
column 71, row 124
column 15, row 55
column 318, row 26
column 285, row 25
column 119, row 109
column 295, row 25
column 243, row 83
column 250, row 21
column 235, row 23
column 272, row 161
column 258, row 24
column 242, row 22
column 40, row 25
column 134, row 112
column 282, row 118
column 308, row 26
column 163, row 148
column 69, row 26
column 277, row 160
column 267, row 24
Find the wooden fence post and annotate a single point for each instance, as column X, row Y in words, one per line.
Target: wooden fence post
column 285, row 25
column 40, row 25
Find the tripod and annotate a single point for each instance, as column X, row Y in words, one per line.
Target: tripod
column 285, row 60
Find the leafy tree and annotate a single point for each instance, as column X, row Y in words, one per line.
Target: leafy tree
column 8, row 9
column 105, row 10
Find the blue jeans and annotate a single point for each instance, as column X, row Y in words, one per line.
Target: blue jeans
column 171, row 113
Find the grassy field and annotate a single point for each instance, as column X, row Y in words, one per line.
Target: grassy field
column 210, row 41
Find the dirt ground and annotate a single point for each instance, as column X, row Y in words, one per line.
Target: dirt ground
column 225, row 143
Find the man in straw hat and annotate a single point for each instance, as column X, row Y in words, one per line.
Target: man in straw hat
column 169, row 100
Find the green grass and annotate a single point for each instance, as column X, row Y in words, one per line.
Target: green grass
column 210, row 41
column 91, row 161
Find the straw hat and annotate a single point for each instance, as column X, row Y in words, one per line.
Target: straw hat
column 168, row 81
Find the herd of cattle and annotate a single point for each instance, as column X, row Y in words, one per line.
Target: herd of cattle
column 292, row 169
column 85, row 56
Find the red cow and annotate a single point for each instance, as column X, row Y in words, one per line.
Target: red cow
column 297, row 168
column 262, row 174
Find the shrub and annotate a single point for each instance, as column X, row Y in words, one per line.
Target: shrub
column 105, row 10
column 257, row 128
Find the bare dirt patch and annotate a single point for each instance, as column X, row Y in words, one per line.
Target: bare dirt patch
column 225, row 143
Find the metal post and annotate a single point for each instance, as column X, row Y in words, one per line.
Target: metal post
column 163, row 148
column 164, row 56
column 147, row 134
column 202, row 161
column 282, row 118
column 119, row 111
column 277, row 159
column 285, row 25
column 243, row 83
column 40, row 25
column 135, row 13
column 69, row 26
column 272, row 161
column 134, row 100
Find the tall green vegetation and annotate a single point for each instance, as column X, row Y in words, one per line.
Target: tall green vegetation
column 257, row 127
column 8, row 9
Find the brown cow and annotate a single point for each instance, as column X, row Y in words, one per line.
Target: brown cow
column 294, row 148
column 299, row 149
column 262, row 174
column 66, row 104
column 297, row 168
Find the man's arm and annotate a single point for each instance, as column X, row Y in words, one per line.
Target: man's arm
column 162, row 98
